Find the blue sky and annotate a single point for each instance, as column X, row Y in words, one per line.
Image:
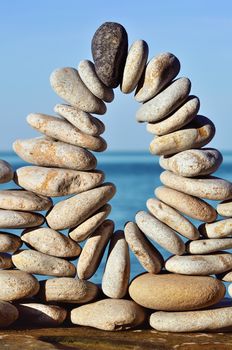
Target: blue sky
column 39, row 36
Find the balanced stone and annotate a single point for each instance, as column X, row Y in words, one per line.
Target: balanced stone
column 109, row 315
column 9, row 243
column 218, row 229
column 193, row 162
column 172, row 218
column 51, row 242
column 5, row 261
column 73, row 211
column 17, row 285
column 134, row 67
column 47, row 152
column 116, row 275
column 19, row 219
column 23, row 200
column 83, row 121
column 201, row 265
column 165, row 102
column 225, row 208
column 89, row 76
column 57, row 182
column 6, row 171
column 159, row 72
column 86, row 228
column 61, row 130
column 8, row 314
column 93, row 250
column 195, row 135
column 160, row 233
column 42, row 264
column 193, row 207
column 209, row 187
column 206, row 246
column 109, row 50
column 148, row 256
column 176, row 120
column 66, row 82
column 67, row 290
column 172, row 292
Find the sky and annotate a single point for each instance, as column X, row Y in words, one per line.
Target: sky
column 39, row 36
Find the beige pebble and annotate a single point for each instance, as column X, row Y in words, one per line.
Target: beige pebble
column 42, row 264
column 46, row 152
column 209, row 187
column 41, row 315
column 201, row 265
column 159, row 72
column 19, row 219
column 23, row 200
column 8, row 314
column 9, row 243
column 172, row 218
column 83, row 121
column 93, row 250
column 226, row 277
column 193, row 321
column 193, row 162
column 109, row 315
column 66, row 82
column 68, row 290
column 61, row 130
column 134, row 66
column 191, row 206
column 177, row 119
column 116, row 275
column 6, row 172
column 148, row 256
column 172, row 292
column 56, row 182
column 86, row 70
column 160, row 233
column 218, row 229
column 51, row 242
column 206, row 246
column 5, row 261
column 165, row 102
column 86, row 228
column 225, row 208
column 17, row 285
column 75, row 210
column 195, row 135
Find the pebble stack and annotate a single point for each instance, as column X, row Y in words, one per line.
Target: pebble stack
column 180, row 294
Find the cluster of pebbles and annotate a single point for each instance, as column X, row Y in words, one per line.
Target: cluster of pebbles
column 179, row 294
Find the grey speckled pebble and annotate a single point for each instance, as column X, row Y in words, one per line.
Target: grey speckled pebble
column 6, row 171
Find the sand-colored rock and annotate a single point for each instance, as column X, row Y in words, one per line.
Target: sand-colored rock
column 160, row 233
column 194, row 207
column 42, row 264
column 109, row 315
column 182, row 116
column 193, row 162
column 226, row 277
column 5, row 261
column 67, row 84
column 19, row 219
column 171, row 292
column 47, row 152
column 116, row 275
column 51, row 242
column 6, row 171
column 9, row 243
column 23, row 200
column 225, row 208
column 172, row 218
column 56, row 182
column 67, row 290
column 201, row 265
column 93, row 250
column 8, row 314
column 217, row 229
column 206, row 246
column 86, row 228
column 17, row 285
column 87, row 72
column 134, row 67
column 75, row 210
column 160, row 71
column 148, row 256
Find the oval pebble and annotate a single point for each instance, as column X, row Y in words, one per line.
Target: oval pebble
column 19, row 219
column 225, row 208
column 6, row 172
column 8, row 314
column 5, row 261
column 23, row 200
column 9, row 243
column 217, row 229
column 206, row 246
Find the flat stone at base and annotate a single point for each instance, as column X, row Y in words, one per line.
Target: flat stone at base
column 8, row 314
column 6, row 172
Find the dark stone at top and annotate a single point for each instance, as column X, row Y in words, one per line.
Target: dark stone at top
column 109, row 50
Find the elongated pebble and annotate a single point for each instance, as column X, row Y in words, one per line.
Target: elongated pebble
column 217, row 229
column 8, row 314
column 225, row 208
column 135, row 65
column 19, row 219
column 160, row 233
column 23, row 200
column 5, row 261
column 9, row 243
column 172, row 218
column 193, row 207
column 67, row 84
column 206, row 246
column 6, row 172
column 46, row 152
column 148, row 256
column 35, row 262
column 75, row 210
column 86, row 228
